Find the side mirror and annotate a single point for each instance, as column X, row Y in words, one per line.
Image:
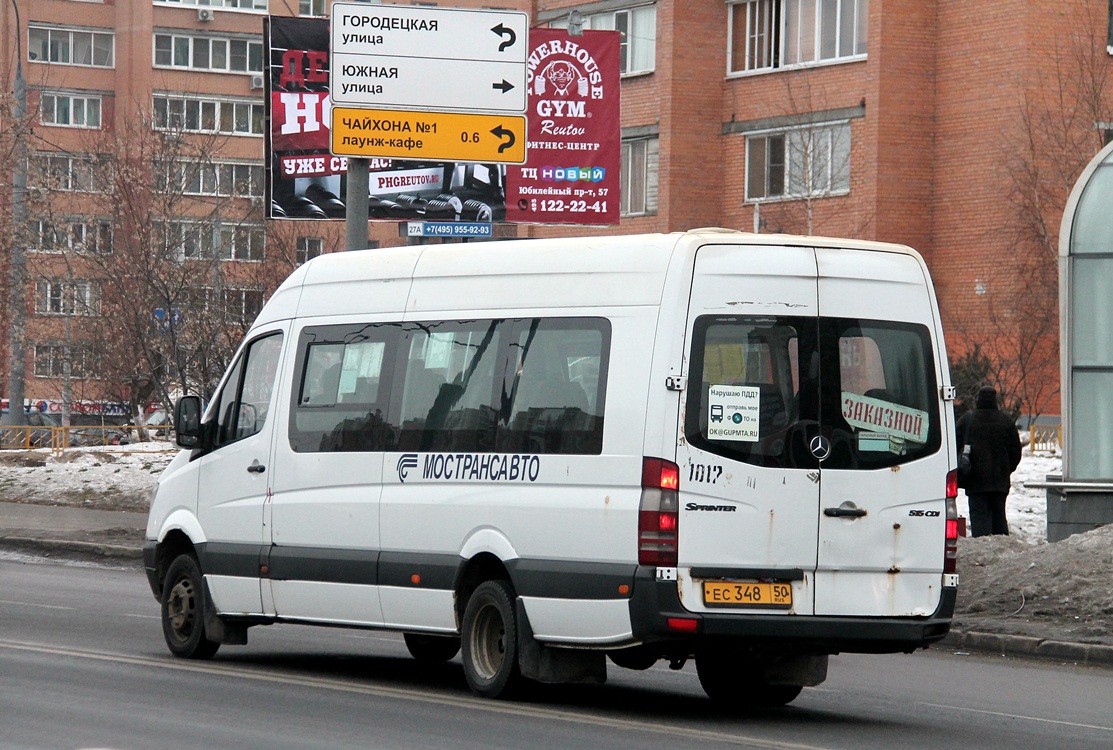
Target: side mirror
column 187, row 422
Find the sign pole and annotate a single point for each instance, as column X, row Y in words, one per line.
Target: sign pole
column 356, row 200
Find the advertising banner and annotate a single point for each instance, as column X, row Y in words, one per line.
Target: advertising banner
column 571, row 174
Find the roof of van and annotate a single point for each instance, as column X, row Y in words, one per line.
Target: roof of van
column 575, row 272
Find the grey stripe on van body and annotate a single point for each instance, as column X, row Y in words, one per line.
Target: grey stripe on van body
column 551, row 579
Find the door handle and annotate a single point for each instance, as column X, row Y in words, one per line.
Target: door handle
column 844, row 512
column 256, row 467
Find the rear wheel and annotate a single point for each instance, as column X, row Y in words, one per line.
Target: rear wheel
column 739, row 682
column 183, row 610
column 490, row 641
column 431, row 649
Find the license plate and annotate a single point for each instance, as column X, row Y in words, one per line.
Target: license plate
column 747, row 594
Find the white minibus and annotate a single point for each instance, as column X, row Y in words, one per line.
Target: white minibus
column 551, row 455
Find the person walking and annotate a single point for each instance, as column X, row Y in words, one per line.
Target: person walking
column 994, row 455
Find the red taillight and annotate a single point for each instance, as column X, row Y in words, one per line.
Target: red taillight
column 657, row 473
column 658, row 516
column 950, row 542
column 952, row 483
column 683, row 624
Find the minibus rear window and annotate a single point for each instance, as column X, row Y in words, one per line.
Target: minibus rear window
column 766, row 386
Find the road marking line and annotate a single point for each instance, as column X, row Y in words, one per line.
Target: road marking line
column 32, row 604
column 1019, row 716
column 482, row 704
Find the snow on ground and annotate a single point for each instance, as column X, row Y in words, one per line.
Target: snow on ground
column 116, row 477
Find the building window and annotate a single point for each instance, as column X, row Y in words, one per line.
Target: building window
column 638, row 29
column 208, row 116
column 800, row 163
column 68, row 173
column 62, row 297
column 309, row 248
column 224, row 179
column 70, row 46
column 751, row 35
column 194, row 239
column 70, row 110
column 313, row 8
column 768, row 34
column 639, row 176
column 80, row 236
column 208, row 53
column 50, row 361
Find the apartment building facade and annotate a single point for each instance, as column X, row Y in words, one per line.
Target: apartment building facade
column 951, row 127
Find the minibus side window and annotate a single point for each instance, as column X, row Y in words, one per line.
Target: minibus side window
column 245, row 399
column 449, row 401
column 557, row 386
column 342, row 395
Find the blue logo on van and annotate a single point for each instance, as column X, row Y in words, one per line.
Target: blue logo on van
column 405, row 463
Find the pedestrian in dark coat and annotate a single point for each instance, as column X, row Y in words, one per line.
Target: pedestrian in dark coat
column 994, row 455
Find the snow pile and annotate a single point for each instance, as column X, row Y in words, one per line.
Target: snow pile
column 110, row 477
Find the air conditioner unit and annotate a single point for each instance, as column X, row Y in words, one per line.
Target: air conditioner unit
column 257, row 82
column 205, row 14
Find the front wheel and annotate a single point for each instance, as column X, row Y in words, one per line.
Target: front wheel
column 490, row 641
column 183, row 610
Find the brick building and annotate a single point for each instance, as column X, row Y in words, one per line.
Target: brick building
column 956, row 128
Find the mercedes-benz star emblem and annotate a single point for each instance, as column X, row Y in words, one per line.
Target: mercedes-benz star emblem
column 820, row 447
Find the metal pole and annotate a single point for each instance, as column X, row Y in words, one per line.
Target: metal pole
column 17, row 316
column 355, row 202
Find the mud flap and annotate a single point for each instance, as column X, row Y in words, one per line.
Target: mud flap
column 808, row 670
column 219, row 630
column 543, row 663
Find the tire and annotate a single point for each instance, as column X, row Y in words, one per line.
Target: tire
column 490, row 641
column 183, row 610
column 431, row 649
column 740, row 683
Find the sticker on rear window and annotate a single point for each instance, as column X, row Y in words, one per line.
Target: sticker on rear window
column 733, row 412
column 876, row 415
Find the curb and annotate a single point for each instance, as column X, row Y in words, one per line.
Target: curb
column 1021, row 645
column 84, row 550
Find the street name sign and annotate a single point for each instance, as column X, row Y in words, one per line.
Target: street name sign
column 428, row 136
column 437, row 59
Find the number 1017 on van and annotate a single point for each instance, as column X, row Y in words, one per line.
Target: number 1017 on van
column 556, row 457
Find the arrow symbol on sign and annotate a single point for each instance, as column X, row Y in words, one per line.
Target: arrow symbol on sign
column 502, row 133
column 505, row 85
column 503, row 31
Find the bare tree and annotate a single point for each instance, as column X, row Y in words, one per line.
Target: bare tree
column 167, row 222
column 1063, row 112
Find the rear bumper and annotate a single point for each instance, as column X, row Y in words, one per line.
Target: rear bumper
column 655, row 602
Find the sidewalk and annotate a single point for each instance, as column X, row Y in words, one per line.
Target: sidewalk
column 116, row 537
column 63, row 531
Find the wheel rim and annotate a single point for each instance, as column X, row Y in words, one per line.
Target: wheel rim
column 489, row 643
column 181, row 608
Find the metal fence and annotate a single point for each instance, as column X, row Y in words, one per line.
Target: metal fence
column 57, row 439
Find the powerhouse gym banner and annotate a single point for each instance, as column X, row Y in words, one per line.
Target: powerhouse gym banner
column 572, row 171
column 571, row 175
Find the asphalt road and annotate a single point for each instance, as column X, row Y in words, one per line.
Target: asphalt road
column 83, row 665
